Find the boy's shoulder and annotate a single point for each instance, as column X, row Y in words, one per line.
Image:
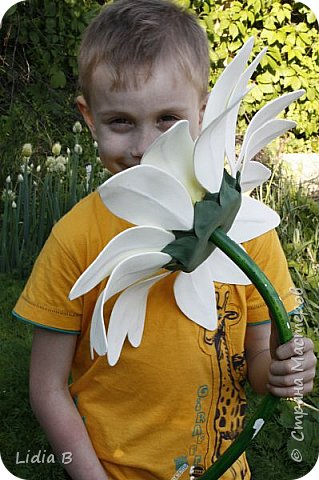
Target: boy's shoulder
column 88, row 226
column 266, row 250
column 81, row 218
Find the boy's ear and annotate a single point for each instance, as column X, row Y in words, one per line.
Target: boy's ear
column 87, row 115
column 202, row 109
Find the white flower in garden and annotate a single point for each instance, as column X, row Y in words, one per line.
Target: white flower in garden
column 14, row 205
column 38, row 169
column 27, row 150
column 177, row 197
column 78, row 149
column 20, row 178
column 56, row 164
column 8, row 179
column 88, row 169
column 56, row 149
column 77, row 127
column 8, row 195
column 25, row 168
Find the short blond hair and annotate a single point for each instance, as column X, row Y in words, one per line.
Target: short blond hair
column 130, row 35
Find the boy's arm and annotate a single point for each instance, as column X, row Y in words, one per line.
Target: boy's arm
column 287, row 370
column 51, row 359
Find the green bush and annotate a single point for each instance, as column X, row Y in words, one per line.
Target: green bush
column 289, row 31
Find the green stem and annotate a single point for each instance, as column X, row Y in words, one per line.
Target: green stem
column 281, row 319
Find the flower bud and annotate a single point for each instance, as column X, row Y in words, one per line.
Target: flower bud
column 95, row 144
column 27, row 150
column 20, row 178
column 78, row 149
column 38, row 168
column 13, row 204
column 8, row 179
column 77, row 127
column 56, row 149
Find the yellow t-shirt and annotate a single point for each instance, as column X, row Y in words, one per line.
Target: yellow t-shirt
column 178, row 398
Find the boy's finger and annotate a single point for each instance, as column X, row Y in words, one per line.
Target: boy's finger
column 298, row 346
column 293, row 364
column 294, row 391
column 299, row 379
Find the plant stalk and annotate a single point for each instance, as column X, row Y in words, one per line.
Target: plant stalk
column 279, row 315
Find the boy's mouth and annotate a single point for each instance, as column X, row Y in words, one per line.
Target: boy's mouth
column 130, row 164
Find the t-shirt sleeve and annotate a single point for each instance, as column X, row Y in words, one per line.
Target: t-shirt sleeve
column 44, row 300
column 267, row 252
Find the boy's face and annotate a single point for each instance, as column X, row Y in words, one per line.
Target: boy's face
column 126, row 122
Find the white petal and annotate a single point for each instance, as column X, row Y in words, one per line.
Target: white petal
column 268, row 112
column 195, row 296
column 239, row 89
column 125, row 244
column 209, row 152
column 173, row 152
column 145, row 195
column 253, row 219
column 128, row 317
column 224, row 270
column 126, row 273
column 133, row 269
column 264, row 135
column 254, row 174
column 209, row 156
column 225, row 84
column 98, row 341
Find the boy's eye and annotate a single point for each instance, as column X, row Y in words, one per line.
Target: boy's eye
column 120, row 124
column 167, row 121
column 169, row 118
column 119, row 121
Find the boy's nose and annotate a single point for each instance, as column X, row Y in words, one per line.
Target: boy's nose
column 142, row 141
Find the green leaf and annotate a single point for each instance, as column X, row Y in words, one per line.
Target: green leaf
column 58, row 79
column 269, row 24
column 311, row 94
column 281, row 16
column 305, row 37
column 233, row 30
column 251, row 17
column 257, row 93
column 295, row 83
column 34, row 37
column 291, row 39
column 266, row 88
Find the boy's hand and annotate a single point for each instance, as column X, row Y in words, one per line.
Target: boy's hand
column 293, row 367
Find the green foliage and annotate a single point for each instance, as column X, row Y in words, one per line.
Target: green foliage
column 39, row 40
column 290, row 63
column 36, row 198
column 270, row 454
column 290, row 32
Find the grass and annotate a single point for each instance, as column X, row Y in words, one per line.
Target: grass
column 19, row 430
column 270, row 453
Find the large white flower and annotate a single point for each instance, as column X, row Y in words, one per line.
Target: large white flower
column 159, row 196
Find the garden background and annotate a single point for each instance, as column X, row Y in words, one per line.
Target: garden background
column 49, row 161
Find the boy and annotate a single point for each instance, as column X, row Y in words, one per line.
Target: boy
column 177, row 399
